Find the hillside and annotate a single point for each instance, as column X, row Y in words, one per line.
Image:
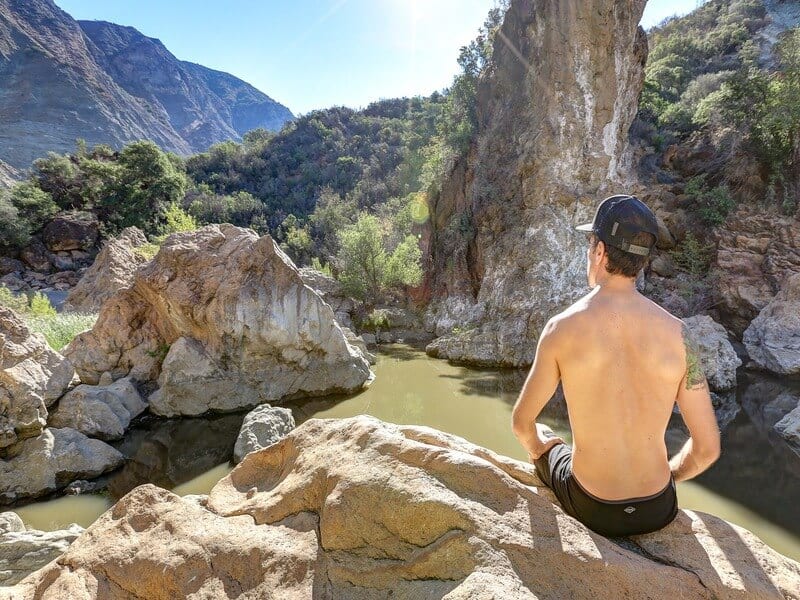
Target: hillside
column 60, row 83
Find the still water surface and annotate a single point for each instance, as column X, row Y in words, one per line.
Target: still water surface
column 756, row 482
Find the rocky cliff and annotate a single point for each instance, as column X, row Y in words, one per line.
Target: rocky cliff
column 59, row 84
column 358, row 508
column 552, row 140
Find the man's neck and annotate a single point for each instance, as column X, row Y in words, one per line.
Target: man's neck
column 616, row 285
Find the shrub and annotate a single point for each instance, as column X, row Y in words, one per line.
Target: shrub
column 60, row 329
column 692, row 256
column 713, row 205
column 39, row 306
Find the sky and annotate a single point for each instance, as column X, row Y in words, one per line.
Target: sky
column 309, row 54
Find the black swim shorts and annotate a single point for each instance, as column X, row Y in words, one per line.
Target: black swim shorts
column 611, row 518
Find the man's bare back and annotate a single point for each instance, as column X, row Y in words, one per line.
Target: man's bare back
column 621, row 359
column 623, row 363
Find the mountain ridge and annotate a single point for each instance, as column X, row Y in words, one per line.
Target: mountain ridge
column 63, row 79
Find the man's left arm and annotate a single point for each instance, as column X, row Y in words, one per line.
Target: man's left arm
column 539, row 387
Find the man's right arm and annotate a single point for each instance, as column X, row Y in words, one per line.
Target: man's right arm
column 703, row 447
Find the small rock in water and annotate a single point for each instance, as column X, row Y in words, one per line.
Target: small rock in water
column 262, row 427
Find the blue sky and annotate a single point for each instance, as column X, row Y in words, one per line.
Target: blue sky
column 311, row 54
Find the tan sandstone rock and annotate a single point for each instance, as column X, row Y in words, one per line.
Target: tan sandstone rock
column 111, row 271
column 32, row 377
column 357, row 508
column 222, row 320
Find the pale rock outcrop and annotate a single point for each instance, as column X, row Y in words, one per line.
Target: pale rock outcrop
column 357, row 508
column 717, row 356
column 111, row 271
column 554, row 111
column 222, row 320
column 24, row 551
column 103, row 412
column 789, row 428
column 360, row 342
column 395, row 324
column 10, row 522
column 262, row 427
column 773, row 338
column 32, row 377
column 37, row 466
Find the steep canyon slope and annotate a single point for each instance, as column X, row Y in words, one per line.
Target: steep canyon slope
column 61, row 80
column 552, row 140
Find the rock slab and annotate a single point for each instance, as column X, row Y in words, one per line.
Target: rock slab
column 103, row 412
column 24, row 551
column 357, row 508
column 221, row 320
column 262, row 427
column 44, row 464
column 32, row 377
column 773, row 338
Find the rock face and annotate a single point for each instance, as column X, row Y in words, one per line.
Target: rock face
column 773, row 338
column 222, row 320
column 71, row 231
column 756, row 253
column 789, row 428
column 103, row 412
column 331, row 291
column 111, row 85
column 552, row 141
column 717, row 356
column 32, row 377
column 23, row 552
column 44, row 464
column 262, row 427
column 379, row 510
column 111, row 271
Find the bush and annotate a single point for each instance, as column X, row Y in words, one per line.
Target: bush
column 39, row 306
column 60, row 329
column 692, row 256
column 713, row 205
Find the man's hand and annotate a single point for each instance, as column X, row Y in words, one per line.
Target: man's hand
column 542, row 442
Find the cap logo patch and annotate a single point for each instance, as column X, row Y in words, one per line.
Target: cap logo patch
column 630, row 509
column 614, row 229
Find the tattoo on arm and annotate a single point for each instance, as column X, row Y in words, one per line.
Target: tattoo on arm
column 695, row 379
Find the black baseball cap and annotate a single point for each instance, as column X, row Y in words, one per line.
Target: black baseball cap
column 618, row 219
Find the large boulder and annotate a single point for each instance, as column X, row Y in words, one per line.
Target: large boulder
column 553, row 116
column 111, row 271
column 24, row 551
column 773, row 338
column 332, row 292
column 32, row 377
column 71, row 231
column 717, row 356
column 221, row 319
column 357, row 508
column 102, row 411
column 37, row 466
column 263, row 426
column 36, row 256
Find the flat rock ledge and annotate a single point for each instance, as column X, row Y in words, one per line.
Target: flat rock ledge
column 358, row 508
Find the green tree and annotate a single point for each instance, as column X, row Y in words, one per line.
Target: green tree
column 148, row 184
column 33, row 204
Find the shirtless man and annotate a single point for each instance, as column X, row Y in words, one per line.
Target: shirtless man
column 623, row 362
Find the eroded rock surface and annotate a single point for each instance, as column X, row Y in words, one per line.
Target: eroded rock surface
column 357, row 508
column 262, row 426
column 102, row 411
column 37, row 466
column 717, row 356
column 111, row 271
column 552, row 142
column 32, row 377
column 221, row 319
column 24, row 551
column 773, row 338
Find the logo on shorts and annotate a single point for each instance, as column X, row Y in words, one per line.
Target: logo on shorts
column 630, row 509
